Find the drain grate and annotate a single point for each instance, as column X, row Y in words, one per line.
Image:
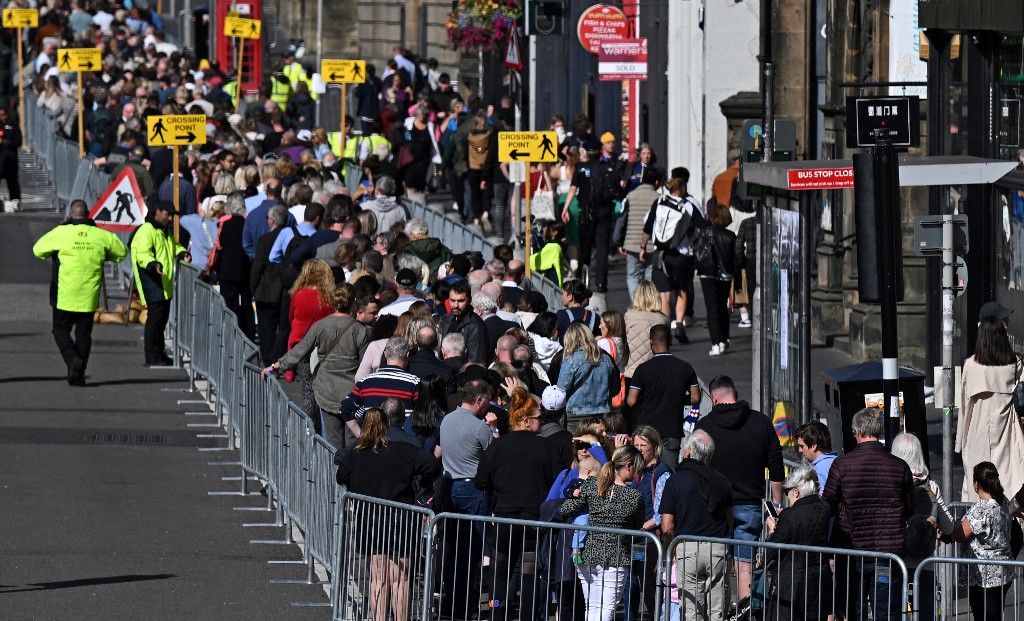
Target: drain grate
column 125, row 438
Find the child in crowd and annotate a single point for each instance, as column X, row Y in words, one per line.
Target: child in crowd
column 588, row 467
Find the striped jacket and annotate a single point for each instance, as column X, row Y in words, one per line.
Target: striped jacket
column 370, row 392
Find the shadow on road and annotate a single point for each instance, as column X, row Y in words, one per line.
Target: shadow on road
column 67, row 584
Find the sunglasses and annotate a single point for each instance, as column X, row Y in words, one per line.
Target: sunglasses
column 581, row 446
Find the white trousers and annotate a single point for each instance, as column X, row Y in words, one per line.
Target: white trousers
column 602, row 588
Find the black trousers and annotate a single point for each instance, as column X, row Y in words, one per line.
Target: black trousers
column 238, row 299
column 716, row 299
column 594, row 239
column 284, row 328
column 153, row 336
column 268, row 315
column 81, row 344
column 9, row 171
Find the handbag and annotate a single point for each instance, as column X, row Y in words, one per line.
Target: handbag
column 542, row 203
column 435, row 172
column 620, row 399
column 405, row 157
column 213, row 254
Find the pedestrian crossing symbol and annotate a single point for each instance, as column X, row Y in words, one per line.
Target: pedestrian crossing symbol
column 176, row 129
column 343, row 71
column 122, row 207
column 79, row 59
column 242, row 27
column 527, row 147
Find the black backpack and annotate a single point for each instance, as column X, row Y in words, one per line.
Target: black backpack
column 289, row 271
column 104, row 127
column 705, row 253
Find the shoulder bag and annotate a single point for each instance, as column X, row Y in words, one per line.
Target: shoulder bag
column 314, row 368
column 542, row 203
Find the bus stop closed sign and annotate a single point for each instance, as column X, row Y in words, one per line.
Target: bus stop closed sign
column 820, row 178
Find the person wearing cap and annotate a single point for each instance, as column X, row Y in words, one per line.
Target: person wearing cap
column 78, row 249
column 136, row 156
column 407, row 281
column 995, row 310
column 552, row 411
column 292, row 68
column 154, row 256
column 988, row 428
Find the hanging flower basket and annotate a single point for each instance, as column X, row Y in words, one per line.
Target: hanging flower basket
column 477, row 25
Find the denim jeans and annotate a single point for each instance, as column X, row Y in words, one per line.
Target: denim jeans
column 859, row 580
column 748, row 523
column 636, row 270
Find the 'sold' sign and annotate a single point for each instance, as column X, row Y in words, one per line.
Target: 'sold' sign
column 623, row 60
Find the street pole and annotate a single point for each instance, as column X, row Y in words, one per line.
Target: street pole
column 517, row 186
column 341, row 124
column 177, row 223
column 529, row 168
column 887, row 208
column 764, row 251
column 948, row 292
column 21, row 89
column 319, row 51
column 238, row 87
column 81, row 120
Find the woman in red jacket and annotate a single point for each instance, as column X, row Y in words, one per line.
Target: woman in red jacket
column 311, row 302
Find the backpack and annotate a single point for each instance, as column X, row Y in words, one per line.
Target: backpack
column 922, row 528
column 289, row 272
column 477, row 149
column 705, row 253
column 671, row 223
column 104, row 127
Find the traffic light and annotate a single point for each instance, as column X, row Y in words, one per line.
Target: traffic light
column 544, row 17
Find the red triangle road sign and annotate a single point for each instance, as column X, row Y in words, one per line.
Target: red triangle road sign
column 512, row 58
column 122, row 206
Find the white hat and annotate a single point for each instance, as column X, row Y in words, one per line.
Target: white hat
column 553, row 398
column 304, row 135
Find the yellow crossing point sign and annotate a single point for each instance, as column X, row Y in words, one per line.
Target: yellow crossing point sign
column 21, row 18
column 242, row 27
column 343, row 71
column 79, row 59
column 527, row 147
column 176, row 129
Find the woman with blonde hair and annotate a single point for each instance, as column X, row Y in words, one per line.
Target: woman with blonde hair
column 320, row 144
column 643, row 314
column 385, row 470
column 310, row 302
column 375, row 350
column 612, row 503
column 586, row 375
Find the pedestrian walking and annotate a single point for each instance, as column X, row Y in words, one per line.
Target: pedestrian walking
column 78, row 249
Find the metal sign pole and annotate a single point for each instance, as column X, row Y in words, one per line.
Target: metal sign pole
column 21, row 89
column 81, row 120
column 177, row 223
column 238, row 86
column 948, row 292
column 529, row 168
column 341, row 123
column 887, row 207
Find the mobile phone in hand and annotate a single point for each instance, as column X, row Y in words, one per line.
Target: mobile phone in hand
column 770, row 509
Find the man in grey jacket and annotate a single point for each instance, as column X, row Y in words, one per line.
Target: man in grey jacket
column 630, row 227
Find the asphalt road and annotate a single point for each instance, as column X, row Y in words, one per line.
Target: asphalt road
column 103, row 491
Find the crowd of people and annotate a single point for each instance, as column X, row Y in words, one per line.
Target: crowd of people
column 444, row 379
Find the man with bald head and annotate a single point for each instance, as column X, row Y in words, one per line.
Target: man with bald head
column 78, row 249
column 512, row 285
column 503, row 349
column 424, row 361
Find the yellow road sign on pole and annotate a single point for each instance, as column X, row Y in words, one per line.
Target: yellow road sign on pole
column 527, row 147
column 79, row 59
column 343, row 71
column 176, row 129
column 21, row 18
column 242, row 27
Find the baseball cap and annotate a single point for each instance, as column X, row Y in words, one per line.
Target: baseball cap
column 167, row 206
column 553, row 398
column 304, row 135
column 406, row 278
column 137, row 154
column 993, row 309
column 607, row 137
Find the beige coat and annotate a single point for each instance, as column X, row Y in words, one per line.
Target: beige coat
column 988, row 428
column 638, row 337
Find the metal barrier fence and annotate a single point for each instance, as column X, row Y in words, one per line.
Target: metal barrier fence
column 784, row 582
column 528, row 569
column 947, row 588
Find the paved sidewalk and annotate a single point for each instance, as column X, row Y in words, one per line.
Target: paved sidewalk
column 104, row 496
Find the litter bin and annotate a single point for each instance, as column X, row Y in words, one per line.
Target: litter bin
column 845, row 388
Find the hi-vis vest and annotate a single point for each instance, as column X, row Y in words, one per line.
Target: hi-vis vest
column 295, row 74
column 280, row 92
column 231, row 88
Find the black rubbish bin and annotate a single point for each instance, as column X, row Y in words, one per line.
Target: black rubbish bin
column 845, row 388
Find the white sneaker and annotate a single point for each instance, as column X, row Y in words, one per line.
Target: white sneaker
column 11, row 206
column 744, row 322
column 723, row 346
column 716, row 350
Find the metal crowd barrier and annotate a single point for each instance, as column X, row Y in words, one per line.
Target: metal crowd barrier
column 383, row 551
column 530, row 569
column 788, row 582
column 1003, row 599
